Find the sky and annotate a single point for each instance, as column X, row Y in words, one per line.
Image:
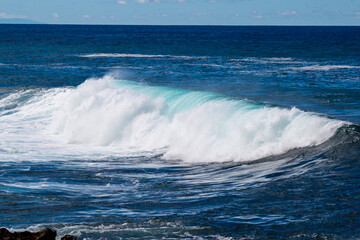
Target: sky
column 183, row 12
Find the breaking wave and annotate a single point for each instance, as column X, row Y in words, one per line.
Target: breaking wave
column 120, row 55
column 188, row 125
column 324, row 67
column 131, row 55
column 180, row 124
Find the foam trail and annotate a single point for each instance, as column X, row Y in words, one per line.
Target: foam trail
column 134, row 55
column 121, row 55
column 324, row 67
column 188, row 125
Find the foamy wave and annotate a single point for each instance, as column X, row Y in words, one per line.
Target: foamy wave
column 103, row 116
column 274, row 60
column 129, row 55
column 324, row 67
column 279, row 59
column 187, row 125
column 146, row 229
column 121, row 55
column 55, row 66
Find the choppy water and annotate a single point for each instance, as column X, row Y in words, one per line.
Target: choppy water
column 149, row 132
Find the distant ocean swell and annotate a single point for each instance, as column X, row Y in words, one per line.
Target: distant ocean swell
column 180, row 124
column 130, row 55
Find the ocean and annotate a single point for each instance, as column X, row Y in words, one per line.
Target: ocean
column 180, row 132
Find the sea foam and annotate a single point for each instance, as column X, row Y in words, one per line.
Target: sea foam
column 121, row 55
column 324, row 67
column 183, row 124
column 135, row 55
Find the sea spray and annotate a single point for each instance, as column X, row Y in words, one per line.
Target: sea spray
column 187, row 125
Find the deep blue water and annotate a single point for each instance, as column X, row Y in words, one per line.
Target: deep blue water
column 178, row 132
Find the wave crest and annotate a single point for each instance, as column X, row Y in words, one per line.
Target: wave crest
column 324, row 67
column 188, row 125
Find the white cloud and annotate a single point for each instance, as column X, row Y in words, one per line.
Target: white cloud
column 121, row 2
column 181, row 1
column 198, row 14
column 288, row 13
column 147, row 1
column 55, row 15
column 10, row 16
column 86, row 16
column 257, row 15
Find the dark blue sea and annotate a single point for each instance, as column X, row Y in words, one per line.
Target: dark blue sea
column 180, row 132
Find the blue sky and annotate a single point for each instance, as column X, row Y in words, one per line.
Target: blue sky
column 185, row 12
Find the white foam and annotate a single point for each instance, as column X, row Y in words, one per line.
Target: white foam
column 97, row 113
column 121, row 55
column 274, row 60
column 99, row 117
column 146, row 228
column 324, row 67
column 129, row 55
column 280, row 59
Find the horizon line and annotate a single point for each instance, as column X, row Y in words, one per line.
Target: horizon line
column 184, row 25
